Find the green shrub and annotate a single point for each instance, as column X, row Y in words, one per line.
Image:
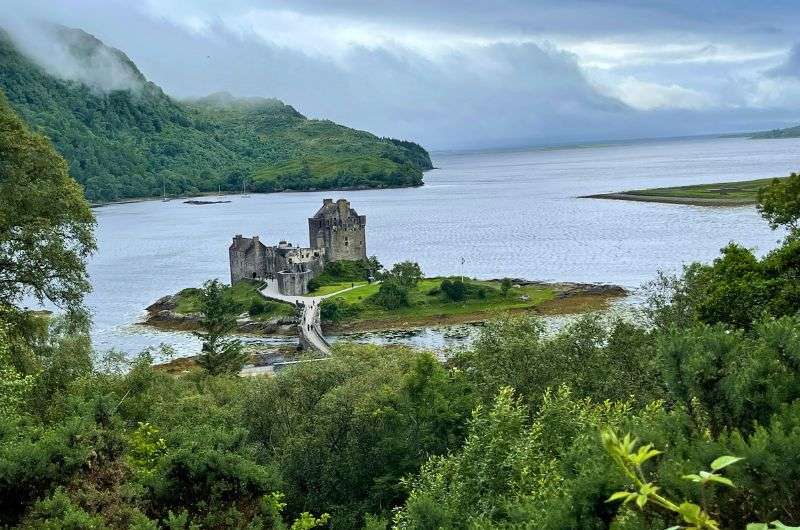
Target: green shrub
column 258, row 307
column 392, row 295
column 314, row 284
column 346, row 271
column 458, row 290
column 336, row 310
column 59, row 512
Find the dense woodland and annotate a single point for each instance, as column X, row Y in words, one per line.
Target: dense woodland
column 525, row 429
column 135, row 140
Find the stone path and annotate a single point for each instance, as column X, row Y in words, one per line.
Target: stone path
column 310, row 327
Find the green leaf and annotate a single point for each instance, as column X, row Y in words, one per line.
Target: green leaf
column 641, row 500
column 693, row 477
column 757, row 526
column 780, row 526
column 689, row 511
column 618, row 495
column 724, row 461
column 721, row 480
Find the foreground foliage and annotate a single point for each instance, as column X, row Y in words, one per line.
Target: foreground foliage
column 506, row 434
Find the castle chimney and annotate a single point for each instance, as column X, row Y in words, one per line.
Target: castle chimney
column 326, row 202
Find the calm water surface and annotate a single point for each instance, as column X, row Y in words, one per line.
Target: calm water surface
column 508, row 213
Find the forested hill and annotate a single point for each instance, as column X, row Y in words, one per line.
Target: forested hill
column 124, row 137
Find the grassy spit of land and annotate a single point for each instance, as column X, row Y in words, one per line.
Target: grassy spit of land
column 719, row 194
column 430, row 306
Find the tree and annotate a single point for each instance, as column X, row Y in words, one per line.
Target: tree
column 779, row 202
column 392, row 295
column 373, row 266
column 505, row 285
column 46, row 225
column 220, row 354
column 406, row 273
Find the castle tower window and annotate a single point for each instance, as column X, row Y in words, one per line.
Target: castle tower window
column 347, row 241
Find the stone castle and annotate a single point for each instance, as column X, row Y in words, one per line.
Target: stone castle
column 336, row 232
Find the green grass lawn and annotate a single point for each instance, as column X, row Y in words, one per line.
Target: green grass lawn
column 245, row 294
column 334, row 287
column 745, row 191
column 430, row 306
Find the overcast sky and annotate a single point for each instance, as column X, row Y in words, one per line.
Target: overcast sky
column 469, row 74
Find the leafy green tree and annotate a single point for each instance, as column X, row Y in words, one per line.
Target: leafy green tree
column 598, row 359
column 779, row 202
column 544, row 472
column 347, row 430
column 59, row 512
column 735, row 289
column 220, row 354
column 731, row 379
column 407, row 274
column 392, row 295
column 46, row 226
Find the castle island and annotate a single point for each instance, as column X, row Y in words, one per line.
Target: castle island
column 336, row 232
column 281, row 274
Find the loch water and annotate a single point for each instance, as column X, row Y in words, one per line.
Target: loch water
column 507, row 213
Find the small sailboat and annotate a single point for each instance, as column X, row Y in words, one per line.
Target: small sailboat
column 164, row 189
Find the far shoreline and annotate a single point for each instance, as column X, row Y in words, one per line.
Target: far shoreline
column 689, row 201
column 720, row 194
column 133, row 200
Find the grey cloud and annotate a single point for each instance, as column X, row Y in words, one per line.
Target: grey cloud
column 584, row 18
column 75, row 56
column 790, row 67
column 474, row 95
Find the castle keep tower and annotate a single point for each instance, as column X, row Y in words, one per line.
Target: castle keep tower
column 339, row 230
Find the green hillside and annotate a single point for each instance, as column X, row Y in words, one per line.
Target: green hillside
column 130, row 141
column 789, row 132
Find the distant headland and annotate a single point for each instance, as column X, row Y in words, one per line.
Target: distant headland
column 138, row 142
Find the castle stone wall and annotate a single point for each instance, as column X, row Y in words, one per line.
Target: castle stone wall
column 294, row 283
